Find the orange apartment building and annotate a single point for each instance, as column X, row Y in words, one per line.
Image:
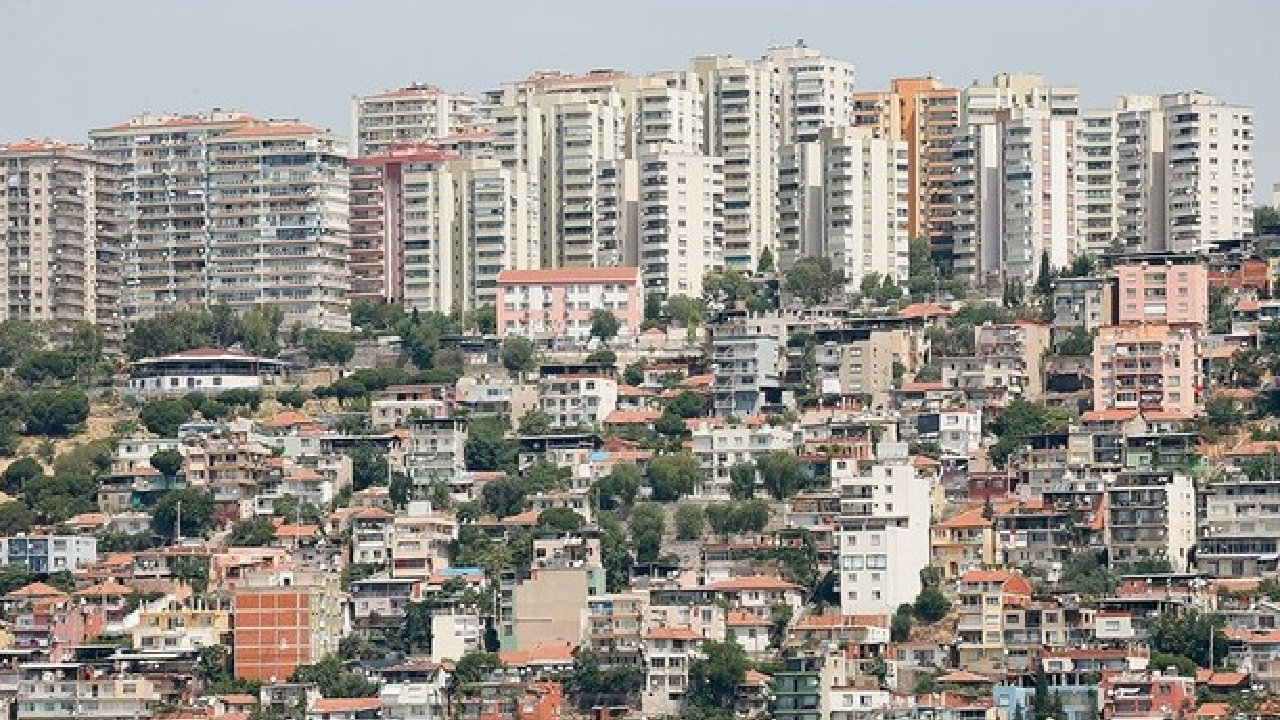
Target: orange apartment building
column 283, row 619
column 1147, row 367
column 925, row 114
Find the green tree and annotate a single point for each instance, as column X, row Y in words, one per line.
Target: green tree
column 714, row 678
column 197, row 510
column 328, row 347
column 689, row 312
column 56, row 412
column 503, row 497
column 742, row 481
column 19, row 473
column 293, row 398
column 900, row 625
column 922, row 274
column 1044, row 279
column 473, row 667
column 13, row 577
column 670, row 425
column 417, row 627
column 16, row 517
column 167, row 462
column 689, row 522
column 814, row 279
column 18, row 337
column 1085, row 572
column 1187, row 633
column 42, row 366
column 1019, row 419
column 535, row 422
column 485, row 319
column 781, row 474
column 334, row 680
column 674, row 475
column 604, row 325
column 1077, row 343
column 163, row 416
column 255, row 532
column 647, row 524
column 728, row 287
column 560, row 519
column 400, row 490
column 518, row 355
column 765, row 262
column 602, row 357
column 931, row 604
column 687, row 404
column 1083, row 265
column 633, row 374
column 619, row 488
column 368, row 467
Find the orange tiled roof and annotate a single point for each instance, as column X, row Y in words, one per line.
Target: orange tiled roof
column 1110, row 415
column 925, row 310
column 643, row 416
column 288, row 418
column 745, row 619
column 37, row 590
column 552, row 653
column 569, row 275
column 968, row 519
column 331, row 705
column 672, row 634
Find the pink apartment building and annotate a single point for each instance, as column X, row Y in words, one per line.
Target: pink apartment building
column 558, row 302
column 1146, row 367
column 1171, row 291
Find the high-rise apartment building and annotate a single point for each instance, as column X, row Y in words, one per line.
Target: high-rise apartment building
column 665, row 208
column 62, row 242
column 1208, row 187
column 432, row 230
column 845, row 196
column 414, row 114
column 1096, row 193
column 923, row 113
column 814, row 91
column 279, row 194
column 1139, row 153
column 1008, row 91
column 284, row 618
column 742, row 128
column 223, row 208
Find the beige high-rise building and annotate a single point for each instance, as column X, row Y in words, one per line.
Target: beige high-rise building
column 1097, row 191
column 413, row 114
column 925, row 114
column 223, row 208
column 62, row 237
column 1140, row 176
column 1007, row 91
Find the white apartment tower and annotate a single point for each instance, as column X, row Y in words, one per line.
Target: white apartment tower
column 1140, row 172
column 413, row 114
column 663, row 209
column 1097, row 193
column 1038, row 193
column 814, row 91
column 61, row 227
column 1208, row 170
column 742, row 127
column 220, row 207
column 882, row 534
column 665, row 108
column 845, row 196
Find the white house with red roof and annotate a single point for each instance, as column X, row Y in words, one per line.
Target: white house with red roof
column 208, row 370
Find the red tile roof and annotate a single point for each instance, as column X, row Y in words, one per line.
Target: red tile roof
column 672, row 634
column 330, row 705
column 972, row 518
column 569, row 275
column 642, row 416
column 37, row 590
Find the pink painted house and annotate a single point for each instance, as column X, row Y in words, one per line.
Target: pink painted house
column 1168, row 292
column 558, row 302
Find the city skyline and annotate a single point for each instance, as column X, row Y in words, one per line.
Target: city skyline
column 316, row 85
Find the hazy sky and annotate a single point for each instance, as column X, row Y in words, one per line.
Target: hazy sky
column 70, row 65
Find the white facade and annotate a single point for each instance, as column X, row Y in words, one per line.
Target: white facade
column 1140, row 172
column 410, row 114
column 720, row 448
column 1097, row 194
column 742, row 128
column 454, row 634
column 844, row 196
column 1038, row 193
column 49, row 553
column 203, row 371
column 1208, row 171
column 814, row 92
column 574, row 401
column 664, row 211
column 882, row 535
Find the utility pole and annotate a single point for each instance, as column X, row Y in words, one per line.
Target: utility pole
column 177, row 527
